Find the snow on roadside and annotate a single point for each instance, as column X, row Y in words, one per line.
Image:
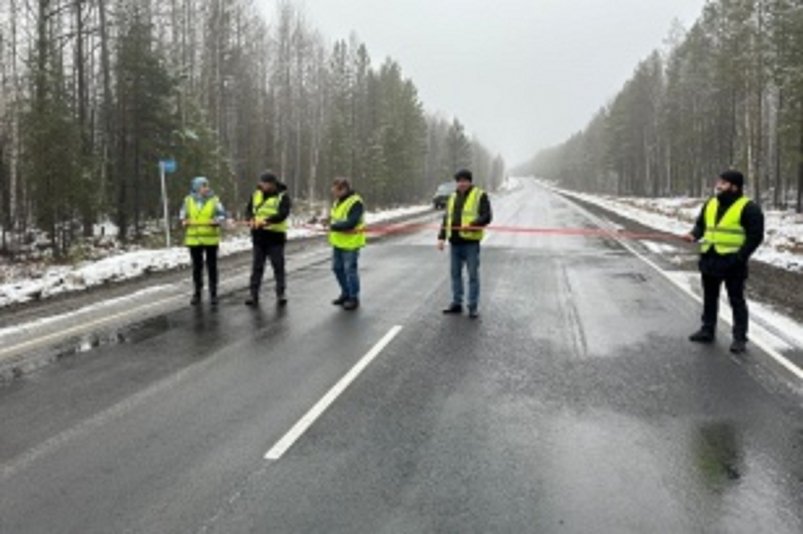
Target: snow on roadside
column 24, row 284
column 779, row 331
column 103, row 305
column 783, row 242
column 510, row 184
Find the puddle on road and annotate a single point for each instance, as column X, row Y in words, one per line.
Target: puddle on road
column 130, row 334
column 635, row 277
column 717, row 449
column 601, row 466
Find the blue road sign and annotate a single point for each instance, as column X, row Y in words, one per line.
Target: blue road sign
column 169, row 166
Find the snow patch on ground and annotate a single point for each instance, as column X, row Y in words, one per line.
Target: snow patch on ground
column 792, row 330
column 24, row 283
column 659, row 248
column 104, row 305
column 788, row 333
column 783, row 242
column 511, row 183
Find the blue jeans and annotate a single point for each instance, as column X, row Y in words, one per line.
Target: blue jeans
column 468, row 254
column 344, row 264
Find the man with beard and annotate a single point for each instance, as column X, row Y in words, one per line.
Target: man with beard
column 729, row 229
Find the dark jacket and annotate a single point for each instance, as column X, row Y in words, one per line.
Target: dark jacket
column 483, row 219
column 714, row 264
column 262, row 236
column 353, row 218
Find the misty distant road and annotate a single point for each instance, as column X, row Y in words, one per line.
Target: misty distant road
column 575, row 404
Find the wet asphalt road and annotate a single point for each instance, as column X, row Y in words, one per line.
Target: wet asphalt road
column 574, row 405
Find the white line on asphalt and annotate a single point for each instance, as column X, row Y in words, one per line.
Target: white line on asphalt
column 774, row 354
column 287, row 441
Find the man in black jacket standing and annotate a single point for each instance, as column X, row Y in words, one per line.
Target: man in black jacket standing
column 730, row 228
column 267, row 213
column 468, row 211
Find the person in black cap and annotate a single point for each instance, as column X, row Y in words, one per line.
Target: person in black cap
column 267, row 213
column 729, row 229
column 467, row 212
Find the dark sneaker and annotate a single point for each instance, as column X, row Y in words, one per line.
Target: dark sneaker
column 281, row 299
column 351, row 304
column 453, row 309
column 339, row 301
column 252, row 301
column 195, row 300
column 473, row 314
column 702, row 336
column 213, row 300
column 738, row 346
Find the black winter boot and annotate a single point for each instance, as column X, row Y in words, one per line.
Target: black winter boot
column 453, row 309
column 738, row 346
column 351, row 304
column 704, row 335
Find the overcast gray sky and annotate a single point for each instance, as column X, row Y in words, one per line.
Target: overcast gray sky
column 521, row 74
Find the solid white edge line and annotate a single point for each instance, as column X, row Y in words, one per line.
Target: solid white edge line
column 774, row 354
column 287, row 441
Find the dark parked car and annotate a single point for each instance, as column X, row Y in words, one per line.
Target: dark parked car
column 442, row 195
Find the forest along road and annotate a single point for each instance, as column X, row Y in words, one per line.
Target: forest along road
column 575, row 404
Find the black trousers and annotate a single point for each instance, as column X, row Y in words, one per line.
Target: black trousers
column 197, row 254
column 734, row 284
column 263, row 251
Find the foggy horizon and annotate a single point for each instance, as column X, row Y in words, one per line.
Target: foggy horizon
column 521, row 76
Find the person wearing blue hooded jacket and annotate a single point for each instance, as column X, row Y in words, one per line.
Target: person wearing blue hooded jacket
column 201, row 214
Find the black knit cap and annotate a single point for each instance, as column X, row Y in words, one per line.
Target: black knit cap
column 734, row 177
column 464, row 174
column 269, row 178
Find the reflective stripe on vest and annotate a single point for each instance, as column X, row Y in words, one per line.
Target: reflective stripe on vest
column 726, row 236
column 263, row 208
column 351, row 239
column 200, row 231
column 471, row 211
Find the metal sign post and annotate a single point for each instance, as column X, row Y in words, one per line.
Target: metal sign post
column 166, row 166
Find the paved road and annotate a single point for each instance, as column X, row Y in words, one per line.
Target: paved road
column 574, row 405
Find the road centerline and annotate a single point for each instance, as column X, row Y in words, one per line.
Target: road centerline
column 303, row 424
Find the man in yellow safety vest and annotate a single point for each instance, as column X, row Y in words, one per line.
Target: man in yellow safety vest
column 729, row 229
column 347, row 237
column 201, row 215
column 467, row 212
column 267, row 212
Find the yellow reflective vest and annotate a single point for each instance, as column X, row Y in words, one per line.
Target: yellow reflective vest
column 471, row 211
column 728, row 235
column 263, row 207
column 350, row 239
column 201, row 231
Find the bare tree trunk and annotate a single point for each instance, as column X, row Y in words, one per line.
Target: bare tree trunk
column 799, row 206
column 106, row 107
column 85, row 147
column 759, row 124
column 14, row 149
column 779, row 193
